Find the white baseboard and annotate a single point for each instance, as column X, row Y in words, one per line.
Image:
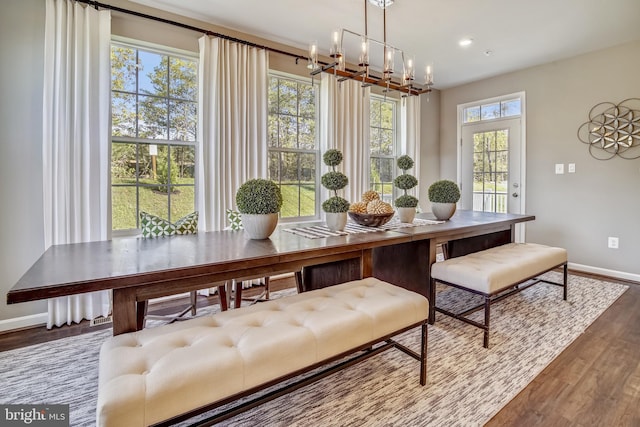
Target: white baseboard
column 23, row 322
column 605, row 272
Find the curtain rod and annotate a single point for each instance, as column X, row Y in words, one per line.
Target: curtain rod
column 189, row 27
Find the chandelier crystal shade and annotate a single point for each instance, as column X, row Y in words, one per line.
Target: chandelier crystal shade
column 372, row 62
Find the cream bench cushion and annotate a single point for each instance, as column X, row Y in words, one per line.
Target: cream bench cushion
column 155, row 374
column 492, row 270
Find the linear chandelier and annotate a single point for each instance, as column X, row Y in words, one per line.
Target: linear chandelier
column 376, row 61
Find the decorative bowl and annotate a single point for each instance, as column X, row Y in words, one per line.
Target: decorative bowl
column 371, row 220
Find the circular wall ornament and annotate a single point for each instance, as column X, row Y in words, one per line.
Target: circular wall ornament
column 613, row 130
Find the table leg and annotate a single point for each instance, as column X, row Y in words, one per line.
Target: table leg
column 124, row 311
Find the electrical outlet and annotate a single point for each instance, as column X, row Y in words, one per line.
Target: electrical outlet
column 613, row 243
column 571, row 167
column 559, row 168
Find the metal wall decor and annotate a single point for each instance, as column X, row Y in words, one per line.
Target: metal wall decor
column 613, row 130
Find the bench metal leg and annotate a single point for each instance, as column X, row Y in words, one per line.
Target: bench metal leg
column 564, row 281
column 487, row 315
column 432, row 302
column 423, row 356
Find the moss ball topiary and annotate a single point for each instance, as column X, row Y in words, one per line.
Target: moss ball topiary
column 405, row 162
column 444, row 191
column 334, row 180
column 405, row 181
column 406, row 201
column 335, row 204
column 259, row 196
column 332, row 157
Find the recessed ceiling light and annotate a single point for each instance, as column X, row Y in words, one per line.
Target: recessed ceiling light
column 465, row 42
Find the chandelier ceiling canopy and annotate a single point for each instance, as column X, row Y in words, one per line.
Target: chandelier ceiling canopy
column 359, row 57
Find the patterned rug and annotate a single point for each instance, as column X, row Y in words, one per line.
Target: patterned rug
column 467, row 384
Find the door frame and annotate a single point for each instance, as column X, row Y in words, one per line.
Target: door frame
column 520, row 228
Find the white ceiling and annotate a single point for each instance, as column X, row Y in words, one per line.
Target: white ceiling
column 519, row 33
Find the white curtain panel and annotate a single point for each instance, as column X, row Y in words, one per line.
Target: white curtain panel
column 233, row 125
column 345, row 105
column 76, row 141
column 410, row 137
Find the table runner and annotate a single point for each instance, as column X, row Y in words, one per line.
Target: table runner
column 319, row 231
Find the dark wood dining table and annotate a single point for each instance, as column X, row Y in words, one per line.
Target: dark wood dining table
column 138, row 269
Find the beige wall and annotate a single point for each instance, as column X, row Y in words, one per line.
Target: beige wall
column 577, row 211
column 21, row 71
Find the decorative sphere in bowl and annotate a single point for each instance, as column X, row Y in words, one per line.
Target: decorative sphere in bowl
column 371, row 220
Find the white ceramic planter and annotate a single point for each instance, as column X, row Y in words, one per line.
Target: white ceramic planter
column 259, row 226
column 406, row 214
column 443, row 211
column 336, row 221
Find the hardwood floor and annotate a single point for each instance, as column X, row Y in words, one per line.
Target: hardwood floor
column 594, row 382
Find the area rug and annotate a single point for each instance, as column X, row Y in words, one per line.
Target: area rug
column 466, row 384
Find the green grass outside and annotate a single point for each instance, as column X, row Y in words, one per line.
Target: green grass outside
column 123, row 202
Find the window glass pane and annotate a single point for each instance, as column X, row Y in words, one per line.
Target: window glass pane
column 288, row 131
column 307, row 101
column 375, row 120
column 123, row 207
column 183, row 117
column 502, row 139
column 273, row 95
column 386, row 115
column 153, row 73
column 153, row 113
column 490, row 111
column 288, row 97
column 183, row 82
column 375, row 140
column 307, row 133
column 308, row 169
column 272, row 131
column 502, row 161
column 123, row 114
column 123, row 163
column 290, row 200
column 386, row 142
column 471, row 114
column 182, row 201
column 184, row 162
column 289, row 168
column 511, row 108
column 123, row 69
column 274, row 166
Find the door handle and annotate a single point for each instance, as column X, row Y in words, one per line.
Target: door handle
column 515, row 194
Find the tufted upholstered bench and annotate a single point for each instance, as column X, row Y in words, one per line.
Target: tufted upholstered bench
column 172, row 372
column 496, row 273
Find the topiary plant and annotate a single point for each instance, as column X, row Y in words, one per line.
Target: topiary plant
column 334, row 181
column 259, row 196
column 444, row 191
column 335, row 204
column 405, row 182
